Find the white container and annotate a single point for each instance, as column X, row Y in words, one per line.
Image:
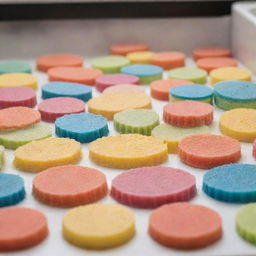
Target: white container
column 244, row 33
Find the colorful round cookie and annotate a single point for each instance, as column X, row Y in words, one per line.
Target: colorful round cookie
column 195, row 75
column 234, row 183
column 125, row 48
column 239, row 123
column 69, row 185
column 12, row 189
column 176, row 185
column 160, row 89
column 124, row 88
column 245, row 222
column 106, row 81
column 85, row 76
column 14, row 66
column 98, row 226
column 230, row 73
column 16, row 138
column 235, row 94
column 21, row 228
column 128, row 151
column 18, row 117
column 53, row 108
column 168, row 60
column 140, row 121
column 43, row 63
column 170, row 225
column 83, row 127
column 172, row 135
column 18, row 79
column 208, row 150
column 66, row 89
column 110, row 64
column 210, row 64
column 188, row 113
column 111, row 103
column 146, row 73
column 42, row 154
column 191, row 92
column 210, row 52
column 17, row 96
column 143, row 57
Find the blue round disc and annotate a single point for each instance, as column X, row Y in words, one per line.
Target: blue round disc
column 11, row 189
column 83, row 127
column 236, row 90
column 142, row 70
column 191, row 92
column 234, row 183
column 66, row 89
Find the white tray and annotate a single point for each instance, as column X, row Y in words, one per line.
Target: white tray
column 142, row 244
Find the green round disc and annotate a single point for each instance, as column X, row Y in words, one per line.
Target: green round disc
column 246, row 222
column 110, row 64
column 140, row 121
column 13, row 139
column 172, row 135
column 14, row 67
column 195, row 75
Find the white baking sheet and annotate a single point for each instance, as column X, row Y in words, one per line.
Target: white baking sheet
column 141, row 244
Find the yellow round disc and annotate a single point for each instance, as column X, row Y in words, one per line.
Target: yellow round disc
column 98, row 226
column 109, row 104
column 18, row 79
column 239, row 123
column 128, row 151
column 230, row 73
column 39, row 155
column 140, row 57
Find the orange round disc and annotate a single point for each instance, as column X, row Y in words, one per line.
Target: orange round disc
column 211, row 52
column 46, row 62
column 209, row 64
column 18, row 117
column 160, row 89
column 76, row 75
column 69, row 185
column 208, row 150
column 185, row 226
column 168, row 60
column 21, row 228
column 123, row 49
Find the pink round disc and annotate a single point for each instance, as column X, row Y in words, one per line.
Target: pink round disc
column 17, row 96
column 105, row 81
column 149, row 187
column 124, row 88
column 52, row 108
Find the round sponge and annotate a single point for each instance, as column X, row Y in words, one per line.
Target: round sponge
column 136, row 121
column 161, row 185
column 83, row 127
column 128, row 151
column 69, row 185
column 14, row 66
column 172, row 225
column 65, row 89
column 12, row 189
column 42, row 154
column 234, row 183
column 239, row 123
column 191, row 92
column 15, row 138
column 98, row 226
column 235, row 94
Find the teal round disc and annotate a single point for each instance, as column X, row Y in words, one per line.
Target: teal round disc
column 14, row 66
